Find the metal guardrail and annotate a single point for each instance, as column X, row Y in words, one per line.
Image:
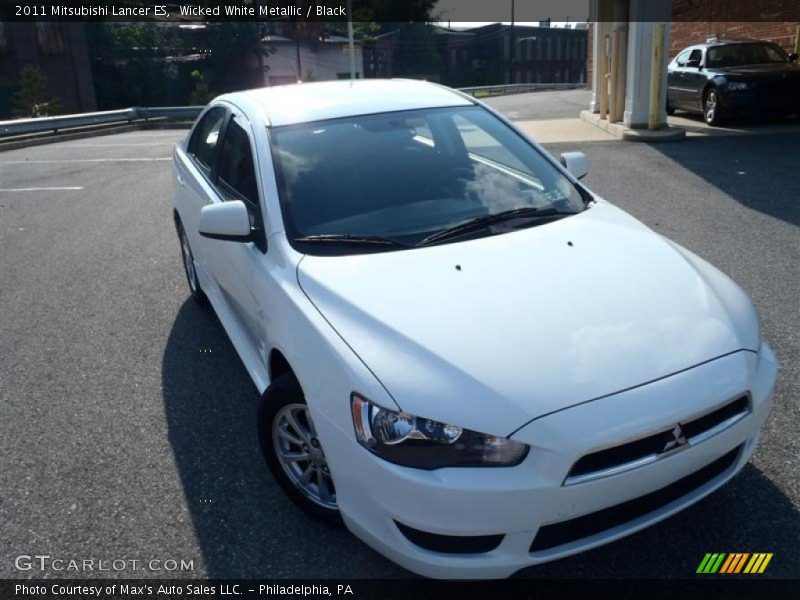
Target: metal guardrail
column 520, row 88
column 145, row 113
column 126, row 115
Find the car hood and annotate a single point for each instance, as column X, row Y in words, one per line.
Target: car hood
column 493, row 332
column 765, row 71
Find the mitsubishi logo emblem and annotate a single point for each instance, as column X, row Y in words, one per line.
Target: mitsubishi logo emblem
column 678, row 440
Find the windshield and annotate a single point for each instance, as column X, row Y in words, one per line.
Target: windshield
column 407, row 175
column 736, row 55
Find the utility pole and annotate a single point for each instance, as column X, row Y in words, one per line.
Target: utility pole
column 512, row 54
column 350, row 40
column 260, row 46
column 297, row 47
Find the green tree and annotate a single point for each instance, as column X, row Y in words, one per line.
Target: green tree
column 418, row 51
column 31, row 99
column 201, row 95
column 133, row 64
column 235, row 55
column 371, row 17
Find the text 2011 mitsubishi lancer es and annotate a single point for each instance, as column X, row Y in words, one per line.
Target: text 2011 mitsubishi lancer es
column 465, row 355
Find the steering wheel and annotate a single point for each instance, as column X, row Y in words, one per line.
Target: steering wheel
column 450, row 183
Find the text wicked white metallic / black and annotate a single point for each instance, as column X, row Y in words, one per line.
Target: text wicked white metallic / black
column 465, row 355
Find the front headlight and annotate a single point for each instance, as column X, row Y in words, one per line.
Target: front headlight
column 735, row 86
column 424, row 444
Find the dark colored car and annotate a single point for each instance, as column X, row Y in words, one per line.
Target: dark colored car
column 723, row 78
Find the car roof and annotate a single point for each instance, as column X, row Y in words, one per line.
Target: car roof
column 722, row 42
column 725, row 42
column 307, row 102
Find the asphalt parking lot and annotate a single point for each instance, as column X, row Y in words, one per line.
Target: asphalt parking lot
column 127, row 421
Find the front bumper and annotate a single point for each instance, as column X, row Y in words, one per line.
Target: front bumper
column 513, row 503
column 759, row 102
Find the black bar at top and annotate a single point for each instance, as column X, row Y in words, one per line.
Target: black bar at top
column 395, row 10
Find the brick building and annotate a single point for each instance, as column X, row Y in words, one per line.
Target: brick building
column 693, row 21
column 488, row 55
column 533, row 54
column 59, row 50
column 685, row 33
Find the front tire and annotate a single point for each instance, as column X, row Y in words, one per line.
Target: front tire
column 711, row 107
column 293, row 451
column 189, row 267
column 670, row 108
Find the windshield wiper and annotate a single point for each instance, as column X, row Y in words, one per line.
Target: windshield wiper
column 486, row 220
column 348, row 238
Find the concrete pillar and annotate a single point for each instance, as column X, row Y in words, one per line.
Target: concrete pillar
column 602, row 15
column 640, row 49
column 619, row 46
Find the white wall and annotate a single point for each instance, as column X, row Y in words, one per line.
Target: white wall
column 318, row 62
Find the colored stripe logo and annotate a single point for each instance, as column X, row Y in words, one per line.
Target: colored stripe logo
column 734, row 562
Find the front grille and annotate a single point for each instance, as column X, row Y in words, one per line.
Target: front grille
column 558, row 534
column 451, row 544
column 615, row 459
column 778, row 93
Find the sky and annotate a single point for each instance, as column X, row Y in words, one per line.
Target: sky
column 524, row 10
column 470, row 24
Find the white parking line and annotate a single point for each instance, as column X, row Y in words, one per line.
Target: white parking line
column 40, row 189
column 80, row 160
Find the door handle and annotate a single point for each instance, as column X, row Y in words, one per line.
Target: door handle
column 180, row 180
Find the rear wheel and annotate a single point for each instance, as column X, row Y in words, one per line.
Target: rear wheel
column 189, row 267
column 670, row 108
column 293, row 451
column 711, row 107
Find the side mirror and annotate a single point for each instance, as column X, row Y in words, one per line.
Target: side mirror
column 576, row 163
column 227, row 221
column 793, row 57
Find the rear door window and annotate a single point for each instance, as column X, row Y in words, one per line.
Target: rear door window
column 682, row 58
column 204, row 142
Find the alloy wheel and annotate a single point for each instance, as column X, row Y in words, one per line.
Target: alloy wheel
column 300, row 454
column 711, row 107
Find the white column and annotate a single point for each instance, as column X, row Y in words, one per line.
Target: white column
column 640, row 51
column 601, row 15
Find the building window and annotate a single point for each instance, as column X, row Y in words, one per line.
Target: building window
column 50, row 37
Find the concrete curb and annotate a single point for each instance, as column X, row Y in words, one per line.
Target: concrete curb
column 667, row 134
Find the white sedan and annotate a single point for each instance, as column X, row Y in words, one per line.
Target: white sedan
column 464, row 354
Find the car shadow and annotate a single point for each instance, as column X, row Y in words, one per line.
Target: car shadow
column 748, row 514
column 757, row 171
column 750, row 123
column 245, row 526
